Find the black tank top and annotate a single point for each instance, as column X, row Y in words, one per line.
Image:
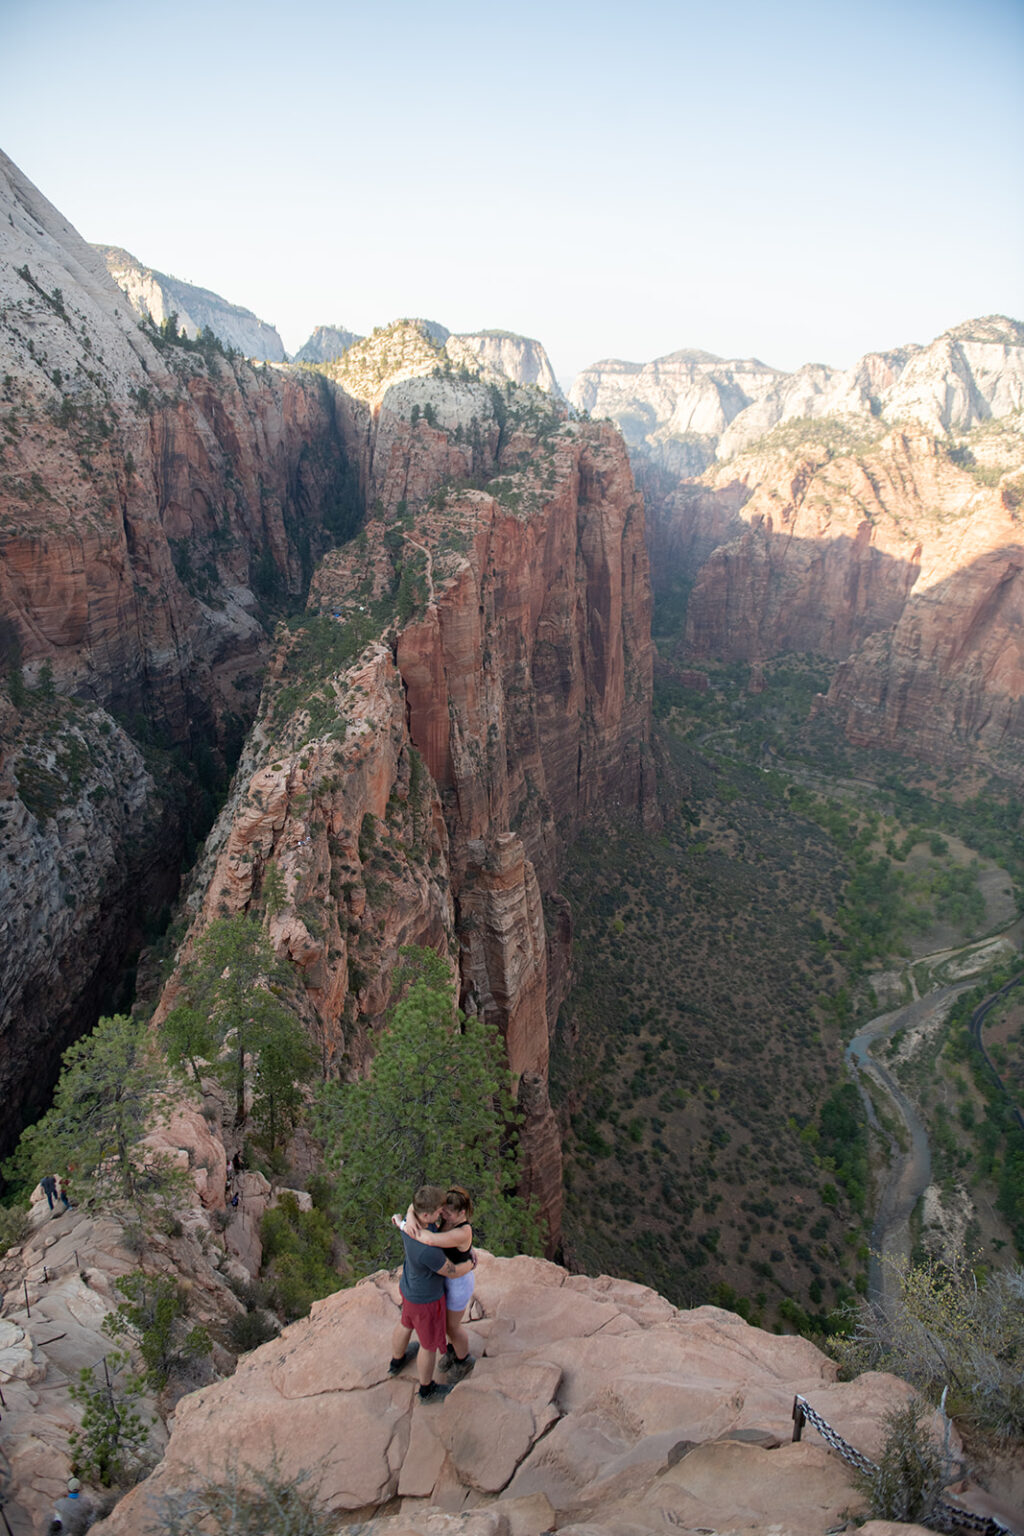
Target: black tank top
column 457, row 1255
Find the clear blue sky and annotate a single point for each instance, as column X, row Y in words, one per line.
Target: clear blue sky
column 803, row 181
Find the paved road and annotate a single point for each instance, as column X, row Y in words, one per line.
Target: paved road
column 909, row 1172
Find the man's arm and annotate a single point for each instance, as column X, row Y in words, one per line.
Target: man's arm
column 452, row 1271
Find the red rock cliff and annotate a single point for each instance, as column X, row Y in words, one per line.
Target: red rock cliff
column 151, row 496
column 898, row 556
column 433, row 798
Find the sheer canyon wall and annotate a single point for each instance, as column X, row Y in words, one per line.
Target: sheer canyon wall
column 871, row 517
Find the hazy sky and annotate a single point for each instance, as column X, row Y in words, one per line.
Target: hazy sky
column 802, row 181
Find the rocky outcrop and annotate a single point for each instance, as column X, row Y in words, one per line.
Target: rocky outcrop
column 690, row 408
column 156, row 296
column 325, row 344
column 594, row 1407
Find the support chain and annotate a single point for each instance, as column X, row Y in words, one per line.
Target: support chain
column 948, row 1517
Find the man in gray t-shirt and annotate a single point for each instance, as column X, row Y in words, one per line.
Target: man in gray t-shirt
column 422, row 1286
column 421, row 1273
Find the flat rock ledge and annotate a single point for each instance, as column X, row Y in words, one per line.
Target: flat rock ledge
column 595, row 1407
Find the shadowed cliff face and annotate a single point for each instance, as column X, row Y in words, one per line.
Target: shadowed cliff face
column 895, row 554
column 948, row 677
column 424, row 790
column 139, row 539
column 88, row 845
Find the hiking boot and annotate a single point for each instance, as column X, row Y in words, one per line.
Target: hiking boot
column 433, row 1393
column 400, row 1363
column 447, row 1360
column 460, row 1369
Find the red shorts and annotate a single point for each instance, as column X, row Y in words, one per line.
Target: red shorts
column 427, row 1318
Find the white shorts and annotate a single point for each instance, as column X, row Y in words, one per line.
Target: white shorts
column 458, row 1292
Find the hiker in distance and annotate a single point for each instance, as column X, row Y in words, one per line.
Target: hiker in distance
column 423, row 1295
column 455, row 1240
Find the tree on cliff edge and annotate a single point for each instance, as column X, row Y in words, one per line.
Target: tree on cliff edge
column 105, row 1102
column 436, row 1107
column 234, row 993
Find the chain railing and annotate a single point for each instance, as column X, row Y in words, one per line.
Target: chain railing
column 947, row 1517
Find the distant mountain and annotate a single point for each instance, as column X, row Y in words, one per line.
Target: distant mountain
column 156, row 294
column 690, row 408
column 490, row 355
column 327, row 343
column 518, row 358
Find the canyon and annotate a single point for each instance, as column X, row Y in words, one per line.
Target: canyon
column 403, row 600
column 161, row 496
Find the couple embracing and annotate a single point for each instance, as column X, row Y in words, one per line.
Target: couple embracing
column 436, row 1285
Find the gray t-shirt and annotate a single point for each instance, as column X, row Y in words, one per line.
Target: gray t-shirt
column 420, row 1281
column 71, row 1517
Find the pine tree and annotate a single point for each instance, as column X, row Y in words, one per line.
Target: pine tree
column 234, row 988
column 105, row 1101
column 436, row 1107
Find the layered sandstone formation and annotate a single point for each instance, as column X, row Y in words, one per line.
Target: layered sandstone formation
column 690, row 408
column 423, row 788
column 595, row 1407
column 156, row 296
column 148, row 493
column 948, row 678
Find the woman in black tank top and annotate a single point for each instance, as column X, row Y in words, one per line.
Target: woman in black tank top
column 456, row 1241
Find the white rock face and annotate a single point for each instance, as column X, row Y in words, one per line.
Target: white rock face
column 159, row 296
column 690, row 408
column 326, row 343
column 62, row 317
column 518, row 358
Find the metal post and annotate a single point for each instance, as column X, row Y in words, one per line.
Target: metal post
column 798, row 1419
column 24, row 1286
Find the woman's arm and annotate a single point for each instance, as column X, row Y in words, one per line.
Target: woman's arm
column 460, row 1237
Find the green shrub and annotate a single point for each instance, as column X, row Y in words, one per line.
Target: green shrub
column 110, row 1445
column 908, row 1483
column 297, row 1248
column 248, row 1502
column 154, row 1315
column 248, row 1330
column 14, row 1226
